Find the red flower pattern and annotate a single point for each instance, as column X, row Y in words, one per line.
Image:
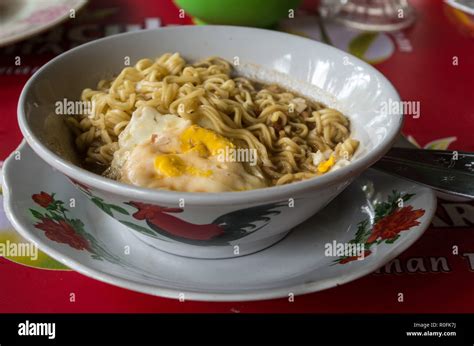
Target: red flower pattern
column 43, row 199
column 402, row 219
column 62, row 232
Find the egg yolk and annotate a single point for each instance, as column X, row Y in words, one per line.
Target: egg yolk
column 206, row 141
column 171, row 165
column 195, row 139
column 324, row 166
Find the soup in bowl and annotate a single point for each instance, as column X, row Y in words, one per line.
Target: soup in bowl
column 210, row 141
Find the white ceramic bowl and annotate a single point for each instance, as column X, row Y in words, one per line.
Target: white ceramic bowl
column 214, row 225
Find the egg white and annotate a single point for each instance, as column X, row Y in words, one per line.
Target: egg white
column 150, row 134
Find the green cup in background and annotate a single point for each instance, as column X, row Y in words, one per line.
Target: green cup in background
column 257, row 13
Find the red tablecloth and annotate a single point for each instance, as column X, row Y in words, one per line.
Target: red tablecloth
column 432, row 63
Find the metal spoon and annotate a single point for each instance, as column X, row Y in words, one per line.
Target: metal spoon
column 443, row 170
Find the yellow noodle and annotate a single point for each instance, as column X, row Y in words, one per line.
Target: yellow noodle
column 284, row 128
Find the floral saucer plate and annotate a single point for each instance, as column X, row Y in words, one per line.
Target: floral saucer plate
column 374, row 220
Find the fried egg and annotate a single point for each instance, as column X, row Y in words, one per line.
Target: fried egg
column 166, row 151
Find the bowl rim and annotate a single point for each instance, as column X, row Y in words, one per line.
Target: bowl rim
column 207, row 198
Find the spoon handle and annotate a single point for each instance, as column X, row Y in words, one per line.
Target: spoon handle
column 443, row 170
